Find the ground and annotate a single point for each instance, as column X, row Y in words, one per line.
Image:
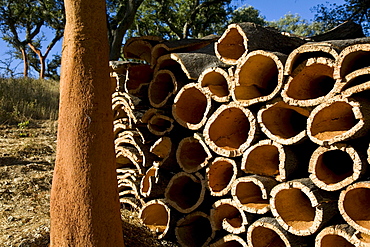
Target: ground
column 27, row 156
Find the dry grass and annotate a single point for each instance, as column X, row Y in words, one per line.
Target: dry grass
column 27, row 159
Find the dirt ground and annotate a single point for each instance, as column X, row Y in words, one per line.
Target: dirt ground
column 27, row 156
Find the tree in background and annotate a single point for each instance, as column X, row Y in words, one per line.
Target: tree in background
column 332, row 15
column 21, row 23
column 247, row 14
column 294, row 24
column 181, row 19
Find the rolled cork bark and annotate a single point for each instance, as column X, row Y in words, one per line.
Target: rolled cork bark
column 354, row 206
column 241, row 38
column 230, row 130
column 136, row 79
column 353, row 69
column 362, row 239
column 227, row 215
column 252, row 193
column 266, row 231
column 258, row 77
column 329, row 49
column 217, row 82
column 185, row 192
column 123, row 107
column 230, row 240
column 191, row 106
column 192, row 154
column 220, row 175
column 140, row 47
column 283, row 123
column 269, row 158
column 311, row 83
column 163, row 87
column 337, row 235
column 300, row 207
column 154, row 182
column 336, row 166
column 338, row 119
column 158, row 217
column 194, row 230
column 183, row 45
column 160, row 124
column 190, row 64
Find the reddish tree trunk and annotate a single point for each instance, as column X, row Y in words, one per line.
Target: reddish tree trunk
column 25, row 62
column 84, row 199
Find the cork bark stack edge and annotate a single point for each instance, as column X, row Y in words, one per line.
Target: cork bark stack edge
column 264, row 143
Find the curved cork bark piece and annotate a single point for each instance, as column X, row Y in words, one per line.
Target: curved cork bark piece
column 128, row 191
column 160, row 124
column 154, row 182
column 329, row 49
column 339, row 119
column 283, row 123
column 157, row 216
column 300, row 207
column 163, row 87
column 311, row 83
column 194, row 230
column 354, row 206
column 266, row 231
column 362, row 239
column 191, row 106
column 269, row 158
column 335, row 166
column 182, row 45
column 185, row 192
column 220, row 175
column 192, row 154
column 227, row 215
column 252, row 193
column 140, row 47
column 337, row 235
column 123, row 106
column 230, row 240
column 259, row 77
column 191, row 64
column 217, row 82
column 241, row 38
column 230, row 130
column 353, row 69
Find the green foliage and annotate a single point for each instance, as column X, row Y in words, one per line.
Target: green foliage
column 177, row 19
column 247, row 14
column 24, row 99
column 332, row 15
column 294, row 24
column 24, row 124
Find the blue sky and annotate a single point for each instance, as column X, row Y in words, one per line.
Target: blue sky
column 271, row 9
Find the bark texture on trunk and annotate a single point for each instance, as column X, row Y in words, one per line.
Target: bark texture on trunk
column 84, row 200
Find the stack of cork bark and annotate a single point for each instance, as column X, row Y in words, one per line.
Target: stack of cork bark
column 252, row 138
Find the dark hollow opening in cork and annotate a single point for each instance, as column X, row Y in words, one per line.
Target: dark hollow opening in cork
column 194, row 231
column 155, row 217
column 333, row 120
column 295, row 208
column 232, row 243
column 331, row 240
column 358, row 80
column 231, row 46
column 284, row 122
column 356, row 204
column 312, row 82
column 191, row 154
column 301, row 57
column 219, row 175
column 263, row 160
column 160, row 124
column 354, row 61
column 228, row 212
column 161, row 88
column 216, row 83
column 249, row 194
column 333, row 166
column 184, row 192
column 137, row 75
column 262, row 237
column 191, row 105
column 230, row 129
column 258, row 77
